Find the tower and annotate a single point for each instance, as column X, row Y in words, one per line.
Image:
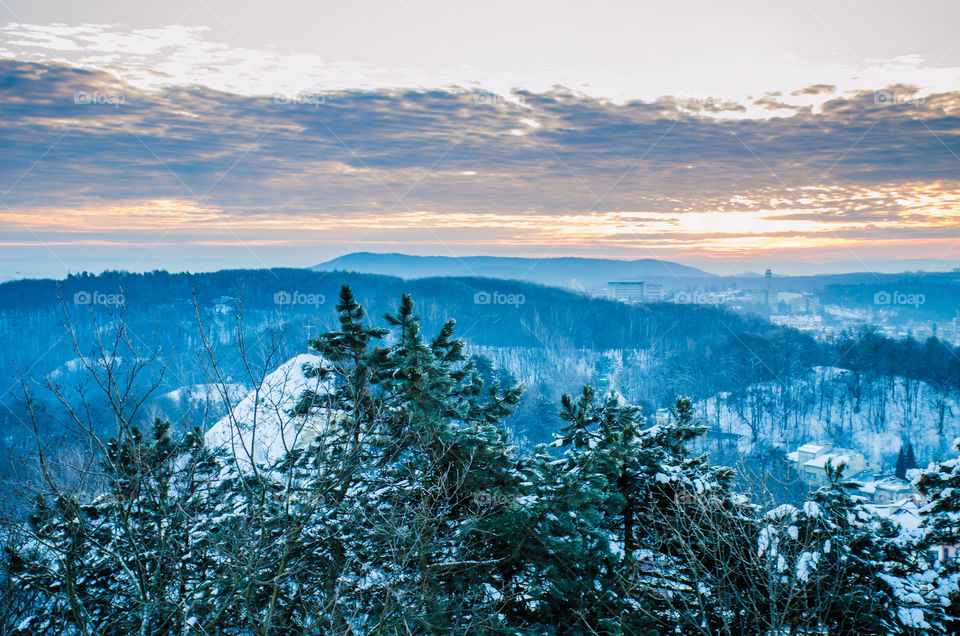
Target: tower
column 768, row 279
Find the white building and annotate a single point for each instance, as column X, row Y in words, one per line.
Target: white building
column 653, row 292
column 629, row 291
column 887, row 490
column 812, row 459
column 905, row 513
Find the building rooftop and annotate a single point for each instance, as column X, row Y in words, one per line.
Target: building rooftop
column 905, row 513
column 836, row 458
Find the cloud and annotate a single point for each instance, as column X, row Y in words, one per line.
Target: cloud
column 85, row 154
column 816, row 89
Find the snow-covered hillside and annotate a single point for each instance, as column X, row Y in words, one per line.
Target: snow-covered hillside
column 565, row 370
column 261, row 426
column 199, row 394
column 873, row 414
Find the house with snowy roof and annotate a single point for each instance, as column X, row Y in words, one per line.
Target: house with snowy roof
column 812, row 459
column 886, row 490
column 904, row 513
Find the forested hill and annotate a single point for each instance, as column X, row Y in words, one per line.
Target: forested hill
column 490, row 312
column 704, row 348
column 565, row 337
column 569, row 272
column 549, row 339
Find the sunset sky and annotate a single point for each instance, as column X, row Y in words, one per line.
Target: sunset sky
column 733, row 136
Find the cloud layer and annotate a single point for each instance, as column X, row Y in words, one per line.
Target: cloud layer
column 88, row 158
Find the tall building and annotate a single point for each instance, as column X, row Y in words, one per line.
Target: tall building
column 653, row 292
column 630, row 291
column 768, row 280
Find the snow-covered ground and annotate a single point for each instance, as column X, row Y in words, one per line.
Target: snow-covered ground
column 261, row 426
column 566, row 370
column 872, row 414
column 198, row 394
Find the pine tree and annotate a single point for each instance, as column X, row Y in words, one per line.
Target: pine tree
column 910, row 461
column 422, row 495
column 585, row 506
column 940, row 484
column 900, row 468
column 129, row 560
column 694, row 525
column 834, row 539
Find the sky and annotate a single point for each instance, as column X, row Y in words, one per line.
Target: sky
column 199, row 135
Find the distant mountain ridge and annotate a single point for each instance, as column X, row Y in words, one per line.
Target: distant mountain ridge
column 570, row 272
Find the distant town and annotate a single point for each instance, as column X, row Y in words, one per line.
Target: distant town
column 802, row 310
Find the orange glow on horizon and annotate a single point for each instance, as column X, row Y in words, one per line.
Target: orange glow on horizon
column 809, row 220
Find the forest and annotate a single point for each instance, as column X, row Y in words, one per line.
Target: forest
column 774, row 387
column 398, row 503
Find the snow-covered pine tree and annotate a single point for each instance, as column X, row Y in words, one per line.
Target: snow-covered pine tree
column 423, row 490
column 133, row 560
column 691, row 531
column 621, row 520
column 940, row 485
column 834, row 567
column 575, row 543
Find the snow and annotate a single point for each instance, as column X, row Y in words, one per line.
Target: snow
column 834, row 458
column 200, row 393
column 261, row 426
column 807, row 564
column 782, row 512
column 904, row 513
column 832, row 405
column 912, row 617
column 767, row 541
column 76, row 365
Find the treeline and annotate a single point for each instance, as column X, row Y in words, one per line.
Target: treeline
column 783, row 355
column 505, row 313
column 160, row 308
column 690, row 350
column 932, row 361
column 410, row 511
